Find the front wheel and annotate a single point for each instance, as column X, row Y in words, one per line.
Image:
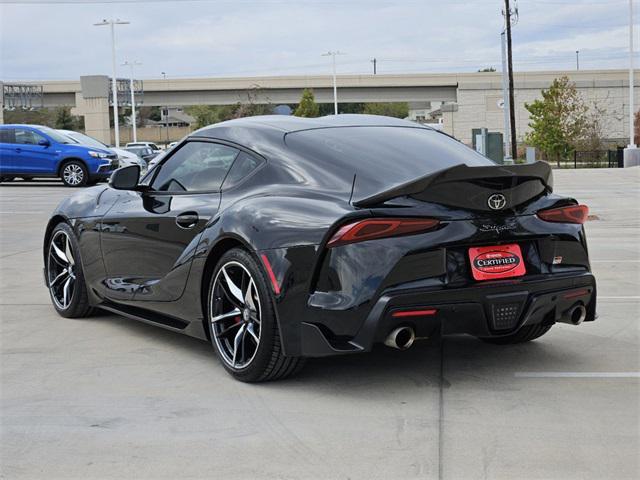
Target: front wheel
column 64, row 274
column 242, row 321
column 74, row 174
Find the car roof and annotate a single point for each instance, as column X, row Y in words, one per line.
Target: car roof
column 289, row 124
column 23, row 125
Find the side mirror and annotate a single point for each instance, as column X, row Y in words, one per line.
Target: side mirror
column 125, row 178
column 44, row 143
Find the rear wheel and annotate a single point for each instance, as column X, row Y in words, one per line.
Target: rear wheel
column 65, row 278
column 525, row 334
column 242, row 321
column 74, row 174
column 6, row 179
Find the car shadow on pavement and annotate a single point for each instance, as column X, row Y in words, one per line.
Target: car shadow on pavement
column 432, row 363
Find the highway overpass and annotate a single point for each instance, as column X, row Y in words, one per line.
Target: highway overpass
column 472, row 98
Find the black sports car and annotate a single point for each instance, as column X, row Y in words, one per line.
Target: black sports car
column 279, row 238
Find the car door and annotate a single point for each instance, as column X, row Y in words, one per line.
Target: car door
column 148, row 238
column 34, row 153
column 8, row 154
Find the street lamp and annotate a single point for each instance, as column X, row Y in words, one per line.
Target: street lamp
column 335, row 87
column 112, row 23
column 133, row 98
column 165, row 109
column 632, row 152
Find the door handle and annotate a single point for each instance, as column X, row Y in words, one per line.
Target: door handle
column 187, row 220
column 18, row 149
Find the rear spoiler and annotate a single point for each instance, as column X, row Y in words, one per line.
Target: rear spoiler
column 537, row 170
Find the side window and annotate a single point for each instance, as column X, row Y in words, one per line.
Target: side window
column 7, row 135
column 242, row 167
column 195, row 167
column 27, row 137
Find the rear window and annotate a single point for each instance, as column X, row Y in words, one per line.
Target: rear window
column 383, row 157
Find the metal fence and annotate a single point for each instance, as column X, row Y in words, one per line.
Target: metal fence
column 595, row 159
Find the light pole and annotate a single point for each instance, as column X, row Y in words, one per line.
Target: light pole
column 133, row 99
column 632, row 152
column 114, row 87
column 632, row 143
column 165, row 109
column 577, row 59
column 335, row 87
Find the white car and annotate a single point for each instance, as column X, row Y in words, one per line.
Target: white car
column 124, row 158
column 151, row 145
column 158, row 158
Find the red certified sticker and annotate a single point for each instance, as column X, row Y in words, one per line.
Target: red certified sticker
column 500, row 261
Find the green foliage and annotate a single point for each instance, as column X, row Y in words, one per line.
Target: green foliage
column 308, row 106
column 64, row 119
column 398, row 110
column 42, row 116
column 210, row 114
column 558, row 121
column 153, row 113
column 487, row 69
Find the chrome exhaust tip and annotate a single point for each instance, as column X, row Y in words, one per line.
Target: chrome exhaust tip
column 577, row 314
column 400, row 338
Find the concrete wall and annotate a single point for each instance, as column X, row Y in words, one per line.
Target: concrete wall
column 478, row 96
column 156, row 134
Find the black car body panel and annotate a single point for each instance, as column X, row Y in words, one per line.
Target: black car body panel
column 313, row 176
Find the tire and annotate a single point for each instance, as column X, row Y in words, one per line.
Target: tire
column 26, row 179
column 242, row 323
column 63, row 255
column 6, row 179
column 525, row 334
column 74, row 174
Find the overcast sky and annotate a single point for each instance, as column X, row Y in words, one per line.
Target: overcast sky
column 56, row 40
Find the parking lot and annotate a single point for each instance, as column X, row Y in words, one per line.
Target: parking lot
column 107, row 397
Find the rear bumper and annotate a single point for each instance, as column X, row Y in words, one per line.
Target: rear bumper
column 485, row 310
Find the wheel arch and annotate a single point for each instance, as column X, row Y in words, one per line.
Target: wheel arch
column 53, row 223
column 216, row 252
column 64, row 161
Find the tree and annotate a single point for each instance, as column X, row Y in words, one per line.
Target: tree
column 308, row 106
column 398, row 110
column 64, row 119
column 487, row 69
column 558, row 121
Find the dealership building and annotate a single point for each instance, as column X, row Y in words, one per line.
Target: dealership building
column 460, row 102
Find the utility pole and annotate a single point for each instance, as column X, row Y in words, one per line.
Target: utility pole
column 512, row 114
column 133, row 99
column 374, row 61
column 505, row 98
column 114, row 84
column 335, row 87
column 577, row 59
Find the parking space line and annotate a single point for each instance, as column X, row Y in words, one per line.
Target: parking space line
column 577, row 374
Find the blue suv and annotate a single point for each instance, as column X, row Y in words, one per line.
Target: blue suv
column 29, row 151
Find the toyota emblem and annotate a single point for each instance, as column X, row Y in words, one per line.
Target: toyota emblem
column 497, row 201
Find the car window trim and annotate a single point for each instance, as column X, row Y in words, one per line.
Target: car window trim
column 154, row 172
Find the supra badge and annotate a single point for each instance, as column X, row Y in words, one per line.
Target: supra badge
column 497, row 201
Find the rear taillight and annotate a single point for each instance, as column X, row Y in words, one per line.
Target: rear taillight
column 374, row 228
column 569, row 214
